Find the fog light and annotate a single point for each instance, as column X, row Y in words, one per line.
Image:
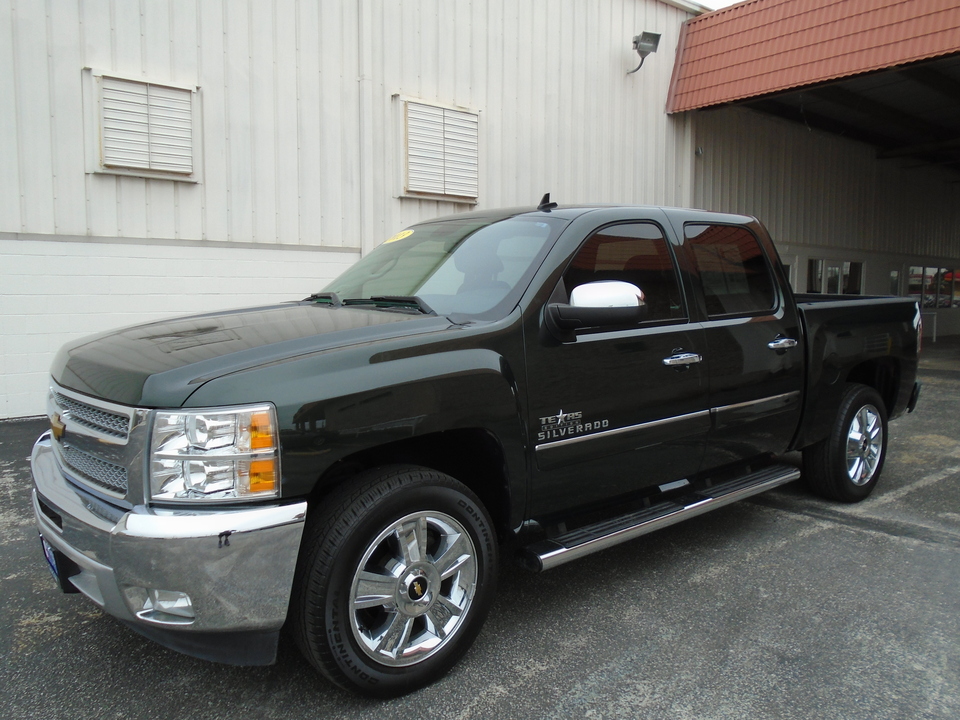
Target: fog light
column 165, row 606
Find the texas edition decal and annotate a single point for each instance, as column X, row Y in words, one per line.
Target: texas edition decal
column 567, row 424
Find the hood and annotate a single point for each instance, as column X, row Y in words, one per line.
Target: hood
column 161, row 364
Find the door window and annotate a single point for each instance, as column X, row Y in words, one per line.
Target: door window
column 734, row 272
column 636, row 253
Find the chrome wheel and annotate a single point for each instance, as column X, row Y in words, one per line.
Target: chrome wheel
column 864, row 445
column 413, row 588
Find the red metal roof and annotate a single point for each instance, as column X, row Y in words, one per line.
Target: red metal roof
column 766, row 46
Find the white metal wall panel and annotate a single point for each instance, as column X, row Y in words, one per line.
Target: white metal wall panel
column 820, row 191
column 10, row 188
column 33, row 129
column 301, row 141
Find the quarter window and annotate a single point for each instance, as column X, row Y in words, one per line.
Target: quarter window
column 635, row 253
column 734, row 272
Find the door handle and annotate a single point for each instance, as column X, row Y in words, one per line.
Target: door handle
column 682, row 359
column 782, row 343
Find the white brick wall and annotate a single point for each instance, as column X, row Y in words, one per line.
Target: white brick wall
column 56, row 290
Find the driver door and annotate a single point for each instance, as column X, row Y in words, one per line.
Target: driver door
column 608, row 416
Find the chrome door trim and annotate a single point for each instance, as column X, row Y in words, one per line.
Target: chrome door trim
column 620, row 430
column 759, row 401
column 664, row 421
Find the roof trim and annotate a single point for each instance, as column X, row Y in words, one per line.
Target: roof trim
column 761, row 47
column 688, row 5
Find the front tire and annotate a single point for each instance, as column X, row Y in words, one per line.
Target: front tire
column 395, row 580
column 846, row 465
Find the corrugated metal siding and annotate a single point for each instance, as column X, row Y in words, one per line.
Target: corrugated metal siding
column 817, row 190
column 765, row 46
column 301, row 135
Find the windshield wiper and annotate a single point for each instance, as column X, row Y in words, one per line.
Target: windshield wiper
column 390, row 302
column 330, row 297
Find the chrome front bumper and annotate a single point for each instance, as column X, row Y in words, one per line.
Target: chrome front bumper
column 236, row 565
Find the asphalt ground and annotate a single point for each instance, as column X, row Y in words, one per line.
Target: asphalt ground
column 782, row 606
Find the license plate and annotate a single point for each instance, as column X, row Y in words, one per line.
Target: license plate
column 50, row 555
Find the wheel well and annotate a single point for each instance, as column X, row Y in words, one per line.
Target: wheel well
column 472, row 456
column 882, row 374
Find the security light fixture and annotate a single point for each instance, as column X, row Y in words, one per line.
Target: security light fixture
column 644, row 44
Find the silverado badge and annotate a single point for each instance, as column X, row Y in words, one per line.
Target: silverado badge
column 567, row 424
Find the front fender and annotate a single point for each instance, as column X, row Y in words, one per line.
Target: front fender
column 337, row 404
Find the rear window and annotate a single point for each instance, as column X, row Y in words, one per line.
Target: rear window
column 733, row 269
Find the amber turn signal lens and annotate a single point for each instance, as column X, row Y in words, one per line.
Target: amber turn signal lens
column 263, row 476
column 261, row 431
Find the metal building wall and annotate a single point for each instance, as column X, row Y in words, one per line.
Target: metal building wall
column 301, row 143
column 823, row 196
column 300, row 129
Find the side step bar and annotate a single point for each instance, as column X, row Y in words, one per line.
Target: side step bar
column 546, row 554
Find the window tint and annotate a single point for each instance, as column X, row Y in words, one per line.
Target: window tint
column 636, row 253
column 735, row 275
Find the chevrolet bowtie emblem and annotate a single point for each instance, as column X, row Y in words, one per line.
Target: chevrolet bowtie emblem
column 57, row 426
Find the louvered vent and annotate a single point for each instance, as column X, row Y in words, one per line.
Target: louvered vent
column 146, row 127
column 442, row 151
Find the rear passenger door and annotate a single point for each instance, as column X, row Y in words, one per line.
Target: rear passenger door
column 753, row 344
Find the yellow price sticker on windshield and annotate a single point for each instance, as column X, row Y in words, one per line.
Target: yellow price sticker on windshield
column 399, row 236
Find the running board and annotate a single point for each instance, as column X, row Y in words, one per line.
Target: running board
column 546, row 554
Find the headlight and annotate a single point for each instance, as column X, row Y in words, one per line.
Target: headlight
column 215, row 454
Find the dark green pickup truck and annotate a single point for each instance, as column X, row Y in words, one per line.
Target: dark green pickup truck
column 353, row 466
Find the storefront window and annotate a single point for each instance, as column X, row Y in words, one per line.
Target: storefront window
column 934, row 287
column 915, row 283
column 834, row 277
column 943, row 279
column 852, row 278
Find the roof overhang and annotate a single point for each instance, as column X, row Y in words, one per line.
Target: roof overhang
column 885, row 72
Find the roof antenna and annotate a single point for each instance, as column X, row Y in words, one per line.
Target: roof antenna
column 545, row 204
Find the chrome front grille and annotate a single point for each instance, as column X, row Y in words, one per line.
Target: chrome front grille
column 109, row 423
column 99, row 444
column 104, row 474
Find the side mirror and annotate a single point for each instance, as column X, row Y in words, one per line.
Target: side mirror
column 605, row 303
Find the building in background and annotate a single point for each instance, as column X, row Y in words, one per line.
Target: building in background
column 175, row 156
column 837, row 123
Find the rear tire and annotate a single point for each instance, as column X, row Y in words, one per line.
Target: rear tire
column 395, row 580
column 846, row 465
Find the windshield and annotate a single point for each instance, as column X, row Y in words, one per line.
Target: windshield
column 467, row 266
